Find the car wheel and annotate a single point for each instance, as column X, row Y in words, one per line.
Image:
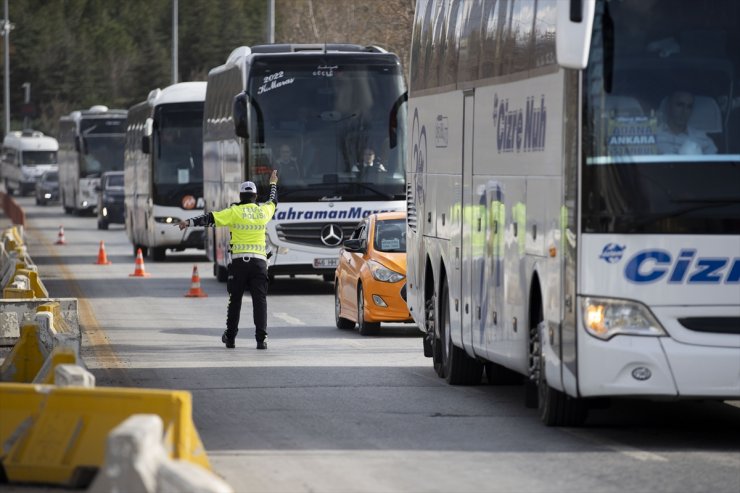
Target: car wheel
column 366, row 328
column 144, row 250
column 459, row 368
column 102, row 224
column 342, row 323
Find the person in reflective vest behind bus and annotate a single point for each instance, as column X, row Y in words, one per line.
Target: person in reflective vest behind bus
column 247, row 223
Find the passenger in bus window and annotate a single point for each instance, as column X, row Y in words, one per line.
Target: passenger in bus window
column 369, row 164
column 675, row 135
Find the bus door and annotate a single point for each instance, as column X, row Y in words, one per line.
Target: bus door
column 470, row 269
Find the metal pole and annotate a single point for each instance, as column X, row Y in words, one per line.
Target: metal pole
column 174, row 41
column 270, row 21
column 26, row 99
column 6, row 50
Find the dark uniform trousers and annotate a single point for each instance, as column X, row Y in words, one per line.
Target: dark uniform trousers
column 247, row 273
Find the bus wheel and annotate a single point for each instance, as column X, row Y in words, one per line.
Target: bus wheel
column 555, row 407
column 459, row 368
column 342, row 323
column 159, row 254
column 220, row 272
column 431, row 334
column 366, row 328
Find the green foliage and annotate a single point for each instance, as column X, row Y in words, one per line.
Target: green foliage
column 77, row 53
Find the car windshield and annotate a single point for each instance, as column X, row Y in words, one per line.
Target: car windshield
column 390, row 236
column 51, row 177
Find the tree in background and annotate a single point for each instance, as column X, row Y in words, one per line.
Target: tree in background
column 79, row 53
column 386, row 23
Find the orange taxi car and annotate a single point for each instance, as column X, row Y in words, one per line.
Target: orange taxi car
column 370, row 280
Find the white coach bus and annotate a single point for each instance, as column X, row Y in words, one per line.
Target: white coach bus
column 573, row 197
column 163, row 169
column 311, row 112
column 90, row 143
column 25, row 157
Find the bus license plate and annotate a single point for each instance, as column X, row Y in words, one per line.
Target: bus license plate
column 325, row 263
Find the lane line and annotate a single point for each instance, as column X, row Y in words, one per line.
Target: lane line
column 626, row 450
column 288, row 318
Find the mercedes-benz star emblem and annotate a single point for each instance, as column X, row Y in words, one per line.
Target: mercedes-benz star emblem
column 332, row 235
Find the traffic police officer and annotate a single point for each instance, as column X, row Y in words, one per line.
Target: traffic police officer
column 247, row 222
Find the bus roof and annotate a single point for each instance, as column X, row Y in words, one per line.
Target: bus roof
column 97, row 111
column 183, row 92
column 30, row 140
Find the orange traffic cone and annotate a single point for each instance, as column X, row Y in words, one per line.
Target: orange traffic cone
column 195, row 291
column 139, row 266
column 102, row 257
column 60, row 237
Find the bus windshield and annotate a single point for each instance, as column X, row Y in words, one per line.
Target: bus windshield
column 178, row 152
column 333, row 126
column 662, row 118
column 34, row 158
column 102, row 153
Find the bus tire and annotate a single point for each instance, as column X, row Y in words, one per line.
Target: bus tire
column 459, row 368
column 221, row 272
column 430, row 317
column 365, row 328
column 159, row 254
column 342, row 323
column 554, row 407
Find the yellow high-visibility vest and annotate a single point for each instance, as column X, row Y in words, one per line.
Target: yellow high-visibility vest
column 247, row 224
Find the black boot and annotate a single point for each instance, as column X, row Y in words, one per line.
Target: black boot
column 229, row 341
column 261, row 344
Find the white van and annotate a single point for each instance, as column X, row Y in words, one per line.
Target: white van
column 25, row 157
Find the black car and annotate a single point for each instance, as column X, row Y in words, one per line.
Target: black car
column 110, row 199
column 47, row 187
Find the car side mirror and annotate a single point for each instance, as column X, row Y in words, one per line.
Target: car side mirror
column 354, row 245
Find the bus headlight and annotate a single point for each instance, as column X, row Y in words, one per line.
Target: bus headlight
column 384, row 274
column 606, row 317
column 167, row 220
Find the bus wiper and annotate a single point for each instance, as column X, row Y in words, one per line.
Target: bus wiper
column 385, row 195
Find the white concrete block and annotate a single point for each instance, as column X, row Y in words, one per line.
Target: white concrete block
column 133, row 454
column 176, row 476
column 73, row 376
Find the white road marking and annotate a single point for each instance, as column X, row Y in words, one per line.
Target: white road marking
column 288, row 319
column 632, row 452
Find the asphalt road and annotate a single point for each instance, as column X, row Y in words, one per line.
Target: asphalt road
column 324, row 410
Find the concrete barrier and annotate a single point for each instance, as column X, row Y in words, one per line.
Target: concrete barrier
column 133, row 454
column 71, row 375
column 38, row 340
column 176, row 476
column 16, row 313
column 56, row 435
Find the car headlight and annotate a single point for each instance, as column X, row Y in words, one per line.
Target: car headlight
column 384, row 274
column 606, row 317
column 167, row 220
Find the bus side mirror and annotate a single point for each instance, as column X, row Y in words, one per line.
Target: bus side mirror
column 146, row 139
column 393, row 121
column 575, row 20
column 240, row 115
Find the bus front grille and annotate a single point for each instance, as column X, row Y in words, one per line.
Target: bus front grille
column 310, row 234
